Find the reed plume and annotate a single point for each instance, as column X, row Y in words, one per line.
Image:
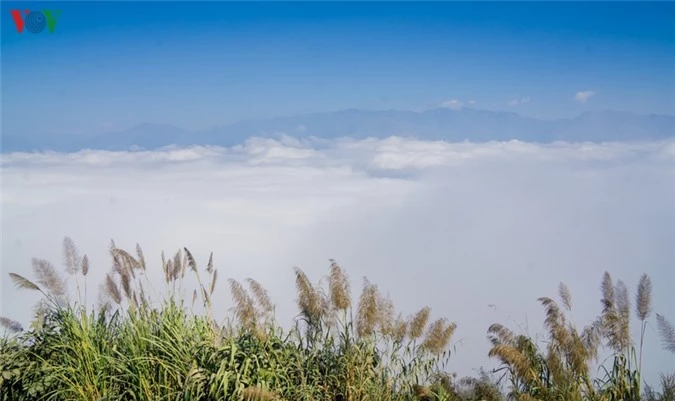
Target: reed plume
column 209, row 265
column 11, row 325
column 309, row 299
column 591, row 337
column 339, row 287
column 85, row 265
column 125, row 279
column 615, row 318
column 166, row 269
column 418, row 323
column 400, row 329
column 643, row 300
column 499, row 334
column 214, row 279
column 178, row 266
column 50, row 279
column 643, row 308
column 438, row 336
column 244, row 306
column 24, row 283
column 623, row 307
column 386, row 318
column 192, row 264
column 565, row 296
column 71, row 256
column 555, row 322
column 112, row 290
column 261, row 296
column 367, row 314
column 140, row 256
column 667, row 332
column 511, row 352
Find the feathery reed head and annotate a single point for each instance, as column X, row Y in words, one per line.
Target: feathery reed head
column 565, row 296
column 178, row 267
column 615, row 313
column 125, row 279
column 22, row 282
column 438, row 336
column 499, row 334
column 419, row 322
column 667, row 332
column 591, row 337
column 85, row 265
column 209, row 265
column 11, row 325
column 49, row 278
column 112, row 290
column 386, row 318
column 310, row 303
column 607, row 288
column 399, row 329
column 140, row 256
column 367, row 315
column 556, row 323
column 643, row 299
column 190, row 260
column 214, row 279
column 513, row 356
column 244, row 307
column 339, row 287
column 70, row 256
column 260, row 295
column 622, row 332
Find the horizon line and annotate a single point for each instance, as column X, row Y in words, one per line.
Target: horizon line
column 385, row 110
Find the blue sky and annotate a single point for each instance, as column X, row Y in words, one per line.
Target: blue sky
column 111, row 65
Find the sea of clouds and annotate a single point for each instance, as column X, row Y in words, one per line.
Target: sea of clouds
column 476, row 231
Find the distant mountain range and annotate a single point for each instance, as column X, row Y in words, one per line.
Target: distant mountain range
column 436, row 124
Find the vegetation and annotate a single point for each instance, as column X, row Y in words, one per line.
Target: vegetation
column 137, row 345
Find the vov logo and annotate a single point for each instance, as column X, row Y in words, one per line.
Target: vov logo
column 35, row 21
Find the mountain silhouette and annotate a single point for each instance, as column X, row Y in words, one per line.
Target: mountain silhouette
column 435, row 124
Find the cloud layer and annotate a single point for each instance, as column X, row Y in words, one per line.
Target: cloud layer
column 456, row 226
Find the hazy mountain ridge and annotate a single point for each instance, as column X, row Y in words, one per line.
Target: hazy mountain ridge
column 436, row 124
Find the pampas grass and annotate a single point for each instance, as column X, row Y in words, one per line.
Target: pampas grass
column 136, row 348
column 142, row 344
column 563, row 369
column 667, row 332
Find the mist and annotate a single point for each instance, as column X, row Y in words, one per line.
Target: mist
column 476, row 231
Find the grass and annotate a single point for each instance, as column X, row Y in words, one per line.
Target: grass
column 138, row 345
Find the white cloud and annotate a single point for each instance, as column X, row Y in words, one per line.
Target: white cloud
column 453, row 104
column 517, row 101
column 457, row 226
column 472, row 102
column 583, row 96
